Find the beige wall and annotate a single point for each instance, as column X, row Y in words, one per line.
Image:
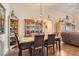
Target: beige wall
column 33, row 11
column 55, row 11
column 23, row 11
column 50, row 27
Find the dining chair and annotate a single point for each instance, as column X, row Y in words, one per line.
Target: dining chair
column 38, row 43
column 22, row 46
column 50, row 42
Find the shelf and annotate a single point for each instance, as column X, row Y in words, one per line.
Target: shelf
column 13, row 29
column 32, row 27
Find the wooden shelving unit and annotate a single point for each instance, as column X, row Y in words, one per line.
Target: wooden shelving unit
column 68, row 27
column 13, row 28
column 32, row 26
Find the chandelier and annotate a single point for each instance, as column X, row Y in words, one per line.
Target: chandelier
column 41, row 12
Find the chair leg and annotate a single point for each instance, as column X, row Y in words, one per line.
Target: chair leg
column 47, row 50
column 53, row 49
column 42, row 52
column 39, row 51
column 59, row 45
column 34, row 52
column 30, row 51
column 20, row 52
column 56, row 45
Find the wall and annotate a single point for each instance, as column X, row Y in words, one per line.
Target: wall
column 5, row 36
column 50, row 27
column 24, row 11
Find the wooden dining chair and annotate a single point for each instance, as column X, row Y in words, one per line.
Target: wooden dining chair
column 50, row 42
column 22, row 46
column 38, row 43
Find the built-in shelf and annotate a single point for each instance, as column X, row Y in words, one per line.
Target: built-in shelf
column 13, row 29
column 68, row 27
column 32, row 26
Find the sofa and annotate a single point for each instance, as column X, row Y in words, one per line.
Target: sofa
column 70, row 38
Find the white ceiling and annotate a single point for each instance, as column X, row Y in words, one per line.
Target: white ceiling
column 65, row 8
column 62, row 7
column 59, row 7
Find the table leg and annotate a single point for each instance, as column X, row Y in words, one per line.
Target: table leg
column 59, row 45
column 53, row 49
column 30, row 51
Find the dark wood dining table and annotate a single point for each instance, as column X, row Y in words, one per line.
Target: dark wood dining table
column 30, row 40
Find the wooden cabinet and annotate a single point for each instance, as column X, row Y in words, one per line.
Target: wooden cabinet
column 32, row 26
column 13, row 28
column 67, row 27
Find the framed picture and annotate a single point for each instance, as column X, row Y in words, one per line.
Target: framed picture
column 2, row 19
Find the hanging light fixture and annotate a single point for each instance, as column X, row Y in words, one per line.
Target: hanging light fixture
column 41, row 12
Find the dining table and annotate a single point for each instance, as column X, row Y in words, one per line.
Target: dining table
column 30, row 40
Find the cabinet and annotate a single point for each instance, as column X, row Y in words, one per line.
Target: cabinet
column 32, row 26
column 68, row 27
column 13, row 29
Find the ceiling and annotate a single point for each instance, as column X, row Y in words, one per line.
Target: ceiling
column 52, row 8
column 58, row 7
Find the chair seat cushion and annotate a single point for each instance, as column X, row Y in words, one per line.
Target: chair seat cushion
column 46, row 45
column 25, row 45
column 36, row 47
column 50, row 45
